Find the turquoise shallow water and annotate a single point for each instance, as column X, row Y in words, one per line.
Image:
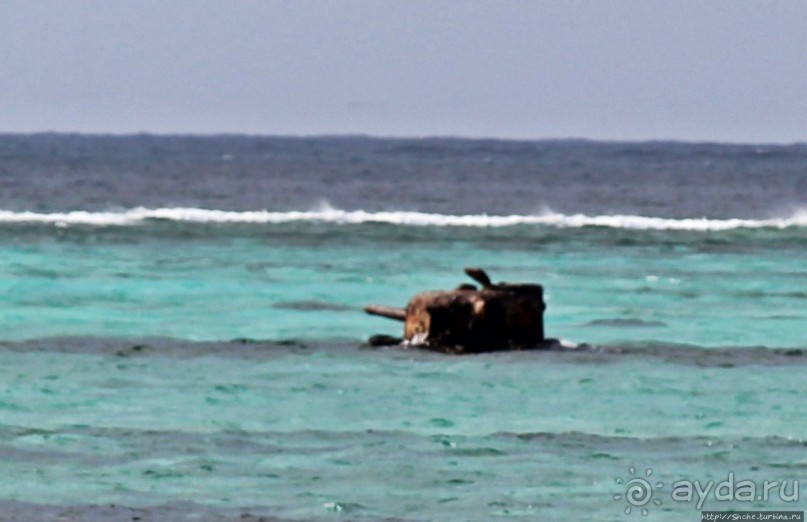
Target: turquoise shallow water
column 736, row 288
column 318, row 432
column 225, row 366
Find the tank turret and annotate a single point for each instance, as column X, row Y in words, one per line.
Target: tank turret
column 469, row 319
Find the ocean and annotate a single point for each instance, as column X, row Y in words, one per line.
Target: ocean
column 182, row 334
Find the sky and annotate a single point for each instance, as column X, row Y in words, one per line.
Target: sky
column 720, row 70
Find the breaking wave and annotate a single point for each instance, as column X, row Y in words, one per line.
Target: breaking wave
column 404, row 218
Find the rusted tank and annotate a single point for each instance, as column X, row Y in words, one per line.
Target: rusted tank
column 494, row 317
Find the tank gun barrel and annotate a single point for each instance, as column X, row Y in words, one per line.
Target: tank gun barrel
column 390, row 312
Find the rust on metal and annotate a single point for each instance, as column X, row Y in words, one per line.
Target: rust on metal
column 469, row 320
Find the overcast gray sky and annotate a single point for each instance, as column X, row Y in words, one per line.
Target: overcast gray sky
column 714, row 70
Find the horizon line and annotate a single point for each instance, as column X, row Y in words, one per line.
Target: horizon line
column 392, row 137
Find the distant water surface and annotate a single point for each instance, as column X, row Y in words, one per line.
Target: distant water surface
column 183, row 335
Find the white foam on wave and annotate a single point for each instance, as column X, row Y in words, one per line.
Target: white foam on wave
column 405, row 218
